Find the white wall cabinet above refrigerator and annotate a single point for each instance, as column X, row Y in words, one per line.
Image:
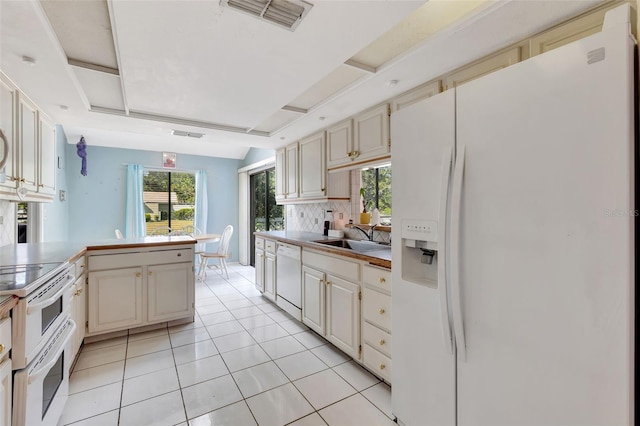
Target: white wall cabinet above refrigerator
column 29, row 170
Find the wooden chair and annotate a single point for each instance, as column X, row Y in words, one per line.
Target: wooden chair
column 221, row 254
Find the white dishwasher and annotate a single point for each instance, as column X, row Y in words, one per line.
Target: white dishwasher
column 289, row 279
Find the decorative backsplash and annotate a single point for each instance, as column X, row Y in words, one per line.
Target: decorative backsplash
column 310, row 218
column 8, row 227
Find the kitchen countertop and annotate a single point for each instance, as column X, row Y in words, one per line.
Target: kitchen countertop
column 54, row 252
column 380, row 257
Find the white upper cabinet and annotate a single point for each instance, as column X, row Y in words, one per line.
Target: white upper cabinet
column 28, row 137
column 281, row 174
column 339, row 144
column 416, row 95
column 46, row 166
column 29, row 167
column 371, row 134
column 486, row 66
column 8, row 119
column 292, row 171
column 313, row 168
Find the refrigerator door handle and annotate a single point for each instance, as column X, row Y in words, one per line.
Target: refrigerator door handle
column 456, row 200
column 442, row 250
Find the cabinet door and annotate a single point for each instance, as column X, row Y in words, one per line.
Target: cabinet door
column 339, row 144
column 80, row 310
column 259, row 270
column 343, row 315
column 115, row 299
column 371, row 134
column 313, row 299
column 292, row 171
column 270, row 276
column 8, row 118
column 5, row 393
column 281, row 174
column 416, row 95
column 47, row 159
column 313, row 167
column 170, row 291
column 28, row 137
column 486, row 66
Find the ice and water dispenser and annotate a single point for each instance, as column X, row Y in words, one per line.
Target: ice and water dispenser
column 420, row 252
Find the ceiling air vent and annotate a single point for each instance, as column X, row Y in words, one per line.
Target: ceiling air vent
column 189, row 134
column 285, row 13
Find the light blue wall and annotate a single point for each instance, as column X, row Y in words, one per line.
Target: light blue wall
column 257, row 154
column 56, row 224
column 97, row 201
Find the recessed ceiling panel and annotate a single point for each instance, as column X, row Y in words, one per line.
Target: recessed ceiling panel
column 432, row 17
column 196, row 59
column 84, row 30
column 102, row 89
column 277, row 120
column 338, row 79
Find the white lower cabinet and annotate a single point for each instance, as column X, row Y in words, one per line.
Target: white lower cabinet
column 5, row 392
column 270, row 276
column 115, row 299
column 376, row 320
column 170, row 292
column 78, row 312
column 132, row 289
column 331, row 304
column 259, row 265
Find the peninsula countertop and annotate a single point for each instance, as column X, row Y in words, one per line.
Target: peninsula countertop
column 62, row 251
column 310, row 240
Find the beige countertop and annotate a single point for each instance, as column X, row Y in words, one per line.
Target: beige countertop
column 309, row 240
column 54, row 252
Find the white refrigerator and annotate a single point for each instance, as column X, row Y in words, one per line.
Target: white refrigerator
column 513, row 254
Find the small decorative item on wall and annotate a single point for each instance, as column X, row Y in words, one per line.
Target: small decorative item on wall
column 168, row 160
column 82, row 153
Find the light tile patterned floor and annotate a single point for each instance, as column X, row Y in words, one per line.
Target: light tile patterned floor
column 243, row 361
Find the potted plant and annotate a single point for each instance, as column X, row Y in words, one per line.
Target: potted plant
column 365, row 217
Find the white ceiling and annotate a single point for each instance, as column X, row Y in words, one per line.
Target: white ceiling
column 201, row 67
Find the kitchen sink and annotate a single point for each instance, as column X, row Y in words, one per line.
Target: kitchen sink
column 355, row 245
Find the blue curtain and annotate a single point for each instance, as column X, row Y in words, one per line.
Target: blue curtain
column 201, row 213
column 135, row 223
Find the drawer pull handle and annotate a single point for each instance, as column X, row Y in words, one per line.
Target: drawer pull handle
column 1, row 348
column 82, row 266
column 78, row 291
column 179, row 254
column 381, row 311
column 150, row 273
column 381, row 280
column 138, row 274
column 382, row 366
column 382, row 342
column 328, row 282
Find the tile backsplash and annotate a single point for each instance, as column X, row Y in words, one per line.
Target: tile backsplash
column 8, row 226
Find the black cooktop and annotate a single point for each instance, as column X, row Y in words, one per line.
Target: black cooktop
column 15, row 279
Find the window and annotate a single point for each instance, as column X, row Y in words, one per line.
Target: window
column 376, row 183
column 169, row 200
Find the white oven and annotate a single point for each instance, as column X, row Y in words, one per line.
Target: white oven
column 38, row 315
column 40, row 390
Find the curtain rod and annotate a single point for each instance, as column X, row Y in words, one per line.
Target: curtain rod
column 160, row 169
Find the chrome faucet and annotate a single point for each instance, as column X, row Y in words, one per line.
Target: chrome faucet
column 369, row 233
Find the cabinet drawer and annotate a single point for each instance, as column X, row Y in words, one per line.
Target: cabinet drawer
column 377, row 338
column 80, row 266
column 339, row 267
column 260, row 243
column 377, row 362
column 376, row 308
column 270, row 246
column 131, row 259
column 377, row 277
column 5, row 336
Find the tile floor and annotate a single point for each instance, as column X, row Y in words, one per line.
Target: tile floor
column 243, row 361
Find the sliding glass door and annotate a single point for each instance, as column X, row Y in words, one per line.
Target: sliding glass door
column 266, row 215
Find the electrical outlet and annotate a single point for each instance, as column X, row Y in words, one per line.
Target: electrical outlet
column 341, row 216
column 1, row 220
column 289, row 212
column 316, row 220
column 301, row 214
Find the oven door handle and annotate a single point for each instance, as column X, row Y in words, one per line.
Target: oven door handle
column 42, row 371
column 50, row 300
